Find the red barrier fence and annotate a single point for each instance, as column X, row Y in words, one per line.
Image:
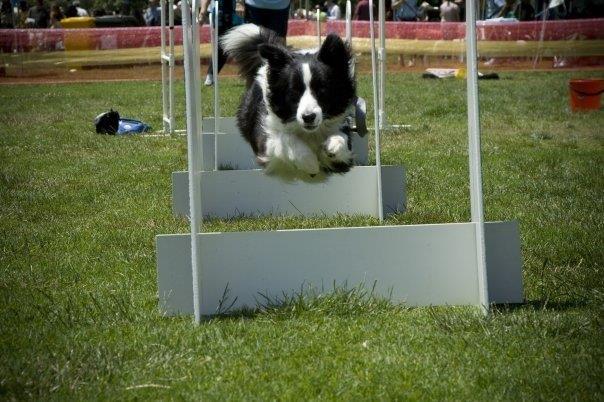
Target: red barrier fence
column 500, row 31
column 25, row 40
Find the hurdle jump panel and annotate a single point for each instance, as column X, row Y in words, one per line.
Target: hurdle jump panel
column 228, row 193
column 417, row 265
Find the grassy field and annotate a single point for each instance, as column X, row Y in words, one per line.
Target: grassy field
column 78, row 295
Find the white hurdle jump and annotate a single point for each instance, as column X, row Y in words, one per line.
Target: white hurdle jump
column 241, row 189
column 232, row 193
column 419, row 265
column 472, row 263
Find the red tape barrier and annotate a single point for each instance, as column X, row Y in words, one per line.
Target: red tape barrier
column 496, row 31
column 25, row 40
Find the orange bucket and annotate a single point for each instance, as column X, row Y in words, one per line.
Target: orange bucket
column 585, row 94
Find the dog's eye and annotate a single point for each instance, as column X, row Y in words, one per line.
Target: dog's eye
column 319, row 91
column 297, row 86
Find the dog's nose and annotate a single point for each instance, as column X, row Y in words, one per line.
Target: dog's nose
column 309, row 117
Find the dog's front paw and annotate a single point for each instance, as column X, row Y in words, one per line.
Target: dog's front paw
column 336, row 148
column 337, row 157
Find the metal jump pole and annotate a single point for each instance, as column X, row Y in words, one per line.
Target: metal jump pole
column 382, row 63
column 349, row 22
column 319, row 26
column 190, row 32
column 377, row 127
column 167, row 65
column 476, row 198
column 214, row 30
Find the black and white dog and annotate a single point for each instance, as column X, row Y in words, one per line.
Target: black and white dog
column 295, row 103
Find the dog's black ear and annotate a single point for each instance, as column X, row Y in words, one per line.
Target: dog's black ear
column 276, row 56
column 334, row 52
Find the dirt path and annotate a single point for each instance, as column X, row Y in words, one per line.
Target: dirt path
column 152, row 72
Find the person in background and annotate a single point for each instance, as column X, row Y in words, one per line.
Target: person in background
column 152, row 14
column 425, row 12
column 333, row 10
column 127, row 9
column 271, row 14
column 228, row 17
column 22, row 14
column 507, row 11
column 524, row 11
column 6, row 15
column 361, row 11
column 80, row 10
column 300, row 14
column 449, row 11
column 405, row 10
column 38, row 15
column 71, row 11
column 388, row 7
column 493, row 8
column 462, row 9
column 56, row 15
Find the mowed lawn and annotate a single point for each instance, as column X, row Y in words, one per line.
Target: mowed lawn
column 78, row 296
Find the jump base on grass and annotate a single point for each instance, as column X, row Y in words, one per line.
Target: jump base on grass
column 417, row 265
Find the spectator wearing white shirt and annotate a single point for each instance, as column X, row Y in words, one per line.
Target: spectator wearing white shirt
column 81, row 11
column 449, row 11
column 333, row 10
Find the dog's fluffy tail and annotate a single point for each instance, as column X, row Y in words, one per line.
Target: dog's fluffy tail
column 242, row 42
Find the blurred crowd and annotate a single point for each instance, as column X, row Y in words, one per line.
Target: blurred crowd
column 20, row 14
column 42, row 14
column 454, row 10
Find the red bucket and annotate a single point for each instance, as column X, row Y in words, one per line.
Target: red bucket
column 585, row 94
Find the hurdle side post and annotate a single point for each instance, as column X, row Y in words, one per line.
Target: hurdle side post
column 476, row 197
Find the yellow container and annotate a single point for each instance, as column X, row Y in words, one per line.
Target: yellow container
column 77, row 22
column 77, row 39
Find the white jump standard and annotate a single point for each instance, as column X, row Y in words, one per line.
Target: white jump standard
column 246, row 190
column 167, row 65
column 473, row 263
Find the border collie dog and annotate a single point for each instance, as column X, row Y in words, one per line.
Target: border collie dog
column 295, row 103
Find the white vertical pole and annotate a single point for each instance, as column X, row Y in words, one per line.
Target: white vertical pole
column 382, row 60
column 167, row 65
column 214, row 30
column 476, row 198
column 171, row 65
column 349, row 22
column 164, row 67
column 376, row 125
column 190, row 33
column 319, row 26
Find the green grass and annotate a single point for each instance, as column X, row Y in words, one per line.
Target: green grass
column 78, row 296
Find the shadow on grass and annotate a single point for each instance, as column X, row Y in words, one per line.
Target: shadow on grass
column 339, row 301
column 540, row 305
column 349, row 303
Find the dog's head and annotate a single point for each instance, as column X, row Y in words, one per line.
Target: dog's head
column 310, row 89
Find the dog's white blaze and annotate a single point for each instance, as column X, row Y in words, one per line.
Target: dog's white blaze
column 306, row 75
column 308, row 103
